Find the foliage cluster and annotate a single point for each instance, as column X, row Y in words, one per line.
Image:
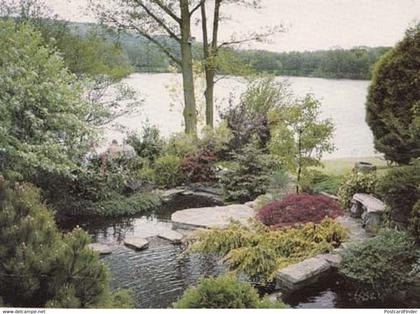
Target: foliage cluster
column 400, row 190
column 380, row 267
column 225, row 292
column 298, row 209
column 258, row 251
column 200, row 168
column 356, row 182
column 40, row 267
column 250, row 178
column 392, row 108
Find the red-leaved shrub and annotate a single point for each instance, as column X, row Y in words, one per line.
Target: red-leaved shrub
column 200, row 168
column 299, row 209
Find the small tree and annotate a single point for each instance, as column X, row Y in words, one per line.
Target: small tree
column 299, row 138
column 393, row 103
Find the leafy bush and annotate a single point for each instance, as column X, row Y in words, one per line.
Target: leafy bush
column 49, row 269
column 217, row 139
column 259, row 252
column 138, row 203
column 168, row 171
column 379, row 267
column 297, row 209
column 224, row 292
column 356, row 182
column 148, row 144
column 200, row 168
column 182, row 145
column 400, row 190
column 252, row 176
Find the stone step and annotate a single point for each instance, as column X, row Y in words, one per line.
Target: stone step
column 136, row 244
column 101, row 249
column 172, row 236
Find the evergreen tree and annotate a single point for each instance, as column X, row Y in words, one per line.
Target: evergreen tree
column 393, row 103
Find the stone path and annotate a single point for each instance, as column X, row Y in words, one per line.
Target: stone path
column 211, row 217
column 101, row 249
column 137, row 244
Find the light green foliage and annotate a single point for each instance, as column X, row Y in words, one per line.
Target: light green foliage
column 316, row 182
column 40, row 267
column 259, row 251
column 224, row 292
column 42, row 112
column 356, row 182
column 380, row 267
column 251, row 177
column 299, row 138
column 168, row 171
column 216, row 139
column 400, row 190
column 182, row 145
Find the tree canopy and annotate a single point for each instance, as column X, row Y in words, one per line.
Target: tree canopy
column 393, row 102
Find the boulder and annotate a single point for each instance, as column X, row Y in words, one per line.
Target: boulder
column 172, row 236
column 136, row 244
column 301, row 274
column 101, row 249
column 364, row 167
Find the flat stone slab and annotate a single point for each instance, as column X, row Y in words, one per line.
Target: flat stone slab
column 371, row 203
column 354, row 227
column 172, row 236
column 306, row 272
column 211, row 217
column 136, row 244
column 101, row 249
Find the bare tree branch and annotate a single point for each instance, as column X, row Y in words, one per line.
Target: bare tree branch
column 167, row 10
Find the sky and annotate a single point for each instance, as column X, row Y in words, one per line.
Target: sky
column 310, row 24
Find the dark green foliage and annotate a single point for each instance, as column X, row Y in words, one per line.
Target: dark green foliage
column 168, row 171
column 138, row 203
column 380, row 267
column 250, row 178
column 317, row 182
column 400, row 190
column 40, row 267
column 224, row 292
column 148, row 144
column 393, row 101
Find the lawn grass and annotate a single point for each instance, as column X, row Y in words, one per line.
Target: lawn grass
column 342, row 166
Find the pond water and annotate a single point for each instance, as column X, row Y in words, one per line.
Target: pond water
column 341, row 100
column 159, row 275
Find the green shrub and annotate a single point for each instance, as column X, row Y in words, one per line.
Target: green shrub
column 252, row 176
column 146, row 175
column 217, row 139
column 379, row 267
column 400, row 190
column 168, row 171
column 259, row 251
column 224, row 292
column 148, row 144
column 139, row 203
column 182, row 145
column 356, row 182
column 316, row 182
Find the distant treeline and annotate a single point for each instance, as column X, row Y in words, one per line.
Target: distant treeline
column 356, row 63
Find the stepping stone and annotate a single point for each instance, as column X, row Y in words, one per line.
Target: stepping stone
column 136, row 244
column 173, row 236
column 301, row 274
column 101, row 249
column 211, row 217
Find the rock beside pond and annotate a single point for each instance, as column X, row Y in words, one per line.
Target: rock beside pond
column 136, row 244
column 301, row 274
column 172, row 236
column 101, row 249
column 211, row 217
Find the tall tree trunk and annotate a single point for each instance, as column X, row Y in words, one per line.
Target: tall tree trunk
column 190, row 111
column 210, row 54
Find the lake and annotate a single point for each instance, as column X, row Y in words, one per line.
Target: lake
column 342, row 100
